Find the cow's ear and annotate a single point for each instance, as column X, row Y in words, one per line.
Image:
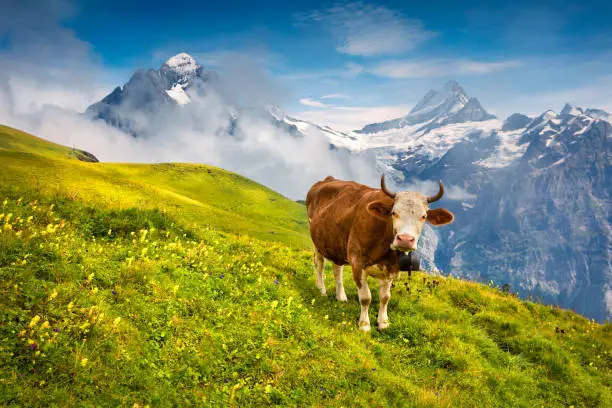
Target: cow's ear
column 380, row 209
column 440, row 216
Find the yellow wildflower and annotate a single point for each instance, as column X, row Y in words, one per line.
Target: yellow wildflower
column 34, row 321
column 53, row 294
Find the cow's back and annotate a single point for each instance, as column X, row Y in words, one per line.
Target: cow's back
column 331, row 206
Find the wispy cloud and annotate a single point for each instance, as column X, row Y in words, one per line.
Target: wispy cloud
column 313, row 103
column 439, row 68
column 45, row 61
column 351, row 118
column 335, row 96
column 352, row 70
column 369, row 30
column 349, row 71
column 597, row 93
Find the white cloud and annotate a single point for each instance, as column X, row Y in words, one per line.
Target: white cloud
column 370, row 30
column 31, row 96
column 335, row 96
column 313, row 104
column 439, row 68
column 44, row 61
column 352, row 70
column 351, row 118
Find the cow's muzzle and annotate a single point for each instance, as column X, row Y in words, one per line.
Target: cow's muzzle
column 404, row 242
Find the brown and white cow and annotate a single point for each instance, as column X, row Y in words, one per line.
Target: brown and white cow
column 353, row 224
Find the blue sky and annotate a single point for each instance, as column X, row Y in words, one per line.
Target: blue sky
column 339, row 63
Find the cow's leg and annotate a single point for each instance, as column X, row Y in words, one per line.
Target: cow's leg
column 319, row 264
column 365, row 297
column 340, row 294
column 385, row 295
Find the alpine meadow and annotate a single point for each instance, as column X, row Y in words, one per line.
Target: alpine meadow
column 144, row 285
column 330, row 204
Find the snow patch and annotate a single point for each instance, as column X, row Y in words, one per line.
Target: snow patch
column 507, row 151
column 178, row 94
column 434, row 143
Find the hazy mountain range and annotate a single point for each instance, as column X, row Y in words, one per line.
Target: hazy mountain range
column 532, row 193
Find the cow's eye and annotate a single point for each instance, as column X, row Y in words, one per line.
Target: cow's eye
column 394, row 214
column 424, row 217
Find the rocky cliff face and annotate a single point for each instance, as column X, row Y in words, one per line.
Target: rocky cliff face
column 541, row 223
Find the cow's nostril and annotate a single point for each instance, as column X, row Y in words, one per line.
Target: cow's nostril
column 406, row 239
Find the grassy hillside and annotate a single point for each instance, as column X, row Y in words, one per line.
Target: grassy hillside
column 108, row 298
column 200, row 196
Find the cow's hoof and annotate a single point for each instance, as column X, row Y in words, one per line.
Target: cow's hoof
column 383, row 325
column 342, row 297
column 364, row 327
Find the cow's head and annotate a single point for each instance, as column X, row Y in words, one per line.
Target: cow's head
column 409, row 210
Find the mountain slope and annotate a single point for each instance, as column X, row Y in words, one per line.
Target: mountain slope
column 542, row 223
column 133, row 306
column 440, row 121
column 200, row 195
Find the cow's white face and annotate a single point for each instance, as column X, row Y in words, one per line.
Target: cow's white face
column 409, row 210
column 409, row 214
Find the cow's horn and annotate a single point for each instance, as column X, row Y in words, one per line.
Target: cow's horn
column 384, row 188
column 438, row 196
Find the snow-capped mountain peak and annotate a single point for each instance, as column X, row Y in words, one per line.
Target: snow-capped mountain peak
column 179, row 73
column 182, row 64
column 570, row 110
column 450, row 104
column 150, row 90
column 451, row 95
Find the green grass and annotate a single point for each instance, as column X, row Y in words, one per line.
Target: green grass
column 106, row 303
column 200, row 196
